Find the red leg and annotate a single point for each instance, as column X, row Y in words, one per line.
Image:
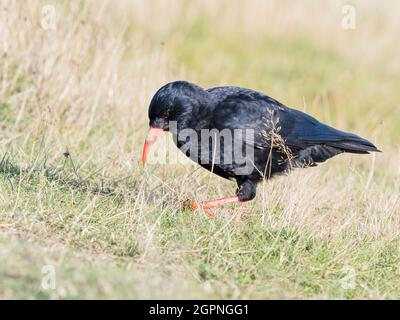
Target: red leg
column 240, row 212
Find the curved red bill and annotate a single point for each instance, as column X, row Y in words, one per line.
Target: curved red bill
column 150, row 139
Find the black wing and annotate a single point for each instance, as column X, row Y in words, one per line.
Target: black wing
column 299, row 131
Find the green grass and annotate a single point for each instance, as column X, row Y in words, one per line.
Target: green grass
column 101, row 250
column 23, row 268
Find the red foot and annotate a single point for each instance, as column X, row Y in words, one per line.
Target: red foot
column 207, row 205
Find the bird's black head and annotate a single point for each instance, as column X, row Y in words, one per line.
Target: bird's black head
column 176, row 101
column 173, row 102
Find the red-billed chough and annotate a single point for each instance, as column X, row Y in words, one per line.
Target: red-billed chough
column 243, row 135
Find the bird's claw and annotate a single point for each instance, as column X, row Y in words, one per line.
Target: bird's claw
column 208, row 211
column 189, row 204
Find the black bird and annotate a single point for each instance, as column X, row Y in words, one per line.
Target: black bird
column 249, row 136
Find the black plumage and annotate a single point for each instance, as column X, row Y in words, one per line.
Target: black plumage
column 282, row 138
